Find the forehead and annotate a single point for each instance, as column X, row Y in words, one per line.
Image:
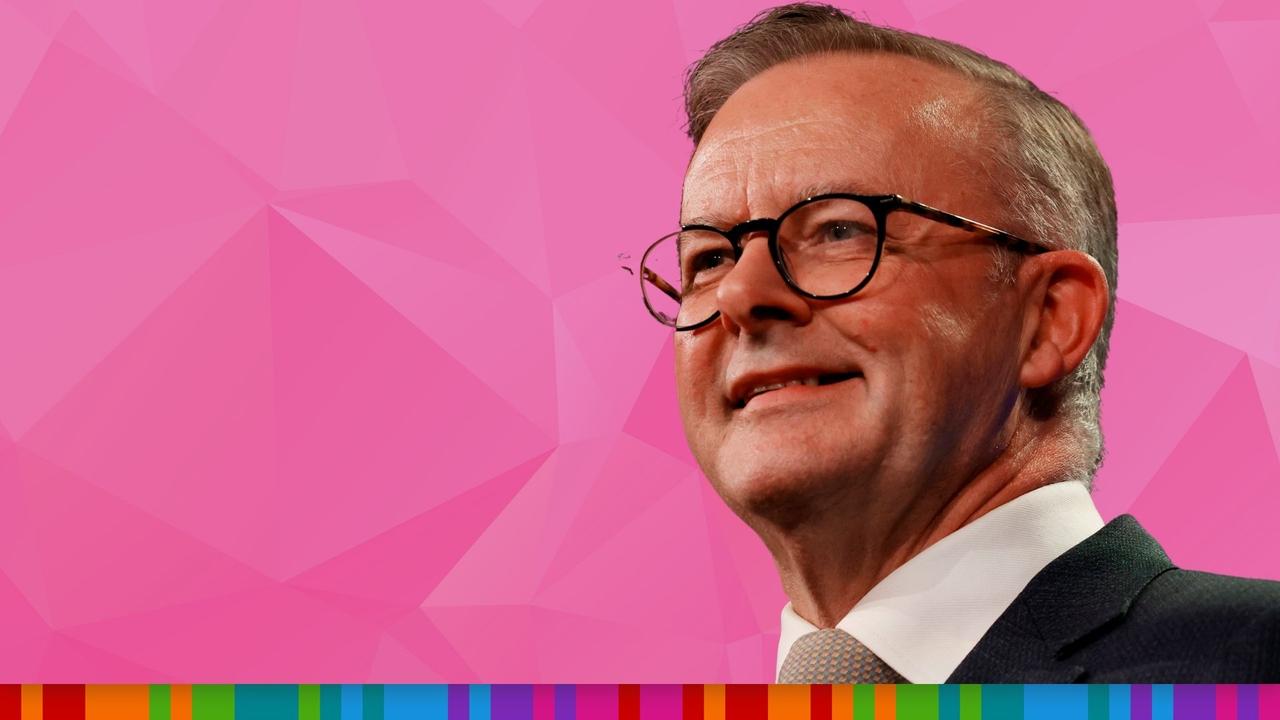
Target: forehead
column 872, row 123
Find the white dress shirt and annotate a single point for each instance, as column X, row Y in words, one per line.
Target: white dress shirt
column 927, row 615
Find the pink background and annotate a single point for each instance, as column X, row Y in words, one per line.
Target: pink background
column 319, row 365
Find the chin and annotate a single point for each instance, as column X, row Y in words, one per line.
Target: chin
column 784, row 491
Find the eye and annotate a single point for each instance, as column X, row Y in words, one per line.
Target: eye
column 843, row 231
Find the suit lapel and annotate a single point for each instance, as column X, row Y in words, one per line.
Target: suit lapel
column 1074, row 599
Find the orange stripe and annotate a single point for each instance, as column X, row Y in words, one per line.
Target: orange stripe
column 841, row 702
column 32, row 702
column 116, row 702
column 886, row 702
column 713, row 702
column 180, row 702
column 788, row 702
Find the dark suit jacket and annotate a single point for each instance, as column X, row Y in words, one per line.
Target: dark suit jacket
column 1114, row 609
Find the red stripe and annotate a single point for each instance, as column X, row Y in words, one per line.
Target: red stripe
column 819, row 702
column 692, row 702
column 10, row 702
column 746, row 702
column 628, row 702
column 63, row 702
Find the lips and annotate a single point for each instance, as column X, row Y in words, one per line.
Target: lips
column 751, row 385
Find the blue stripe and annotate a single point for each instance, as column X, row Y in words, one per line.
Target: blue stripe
column 479, row 702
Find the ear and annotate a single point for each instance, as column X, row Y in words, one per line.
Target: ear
column 1065, row 305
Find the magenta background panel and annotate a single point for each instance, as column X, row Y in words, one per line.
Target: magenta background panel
column 319, row 363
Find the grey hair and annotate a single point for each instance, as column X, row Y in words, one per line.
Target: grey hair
column 1046, row 168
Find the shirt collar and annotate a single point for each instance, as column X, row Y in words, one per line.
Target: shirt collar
column 928, row 614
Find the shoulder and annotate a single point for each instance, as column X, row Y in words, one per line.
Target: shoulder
column 1214, row 628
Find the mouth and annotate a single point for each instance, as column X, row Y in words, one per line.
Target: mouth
column 814, row 381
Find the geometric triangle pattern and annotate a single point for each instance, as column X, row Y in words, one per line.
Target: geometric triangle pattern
column 325, row 357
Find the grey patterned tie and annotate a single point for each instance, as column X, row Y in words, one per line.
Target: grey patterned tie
column 833, row 656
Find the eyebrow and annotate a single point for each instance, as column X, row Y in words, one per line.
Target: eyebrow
column 824, row 188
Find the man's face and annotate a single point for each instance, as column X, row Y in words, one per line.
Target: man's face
column 931, row 339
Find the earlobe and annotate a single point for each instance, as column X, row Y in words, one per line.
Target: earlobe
column 1065, row 313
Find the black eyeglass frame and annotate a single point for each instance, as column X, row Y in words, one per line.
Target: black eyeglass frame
column 880, row 206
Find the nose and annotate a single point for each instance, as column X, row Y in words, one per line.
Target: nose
column 753, row 294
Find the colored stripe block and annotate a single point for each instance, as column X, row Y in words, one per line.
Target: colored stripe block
column 213, row 702
column 1225, row 705
column 1140, row 702
column 746, row 702
column 1161, row 702
column 691, row 702
column 352, row 702
column 1002, row 702
column 511, row 702
column 788, row 702
column 660, row 702
column 1194, row 702
column 1099, row 702
column 371, row 702
column 1269, row 701
column 949, row 702
column 63, row 702
column 459, row 702
column 713, row 702
column 917, row 702
column 628, row 702
column 1247, row 702
column 544, row 702
column 116, row 702
column 1118, row 696
column 158, row 702
column 864, row 702
column 1055, row 702
column 597, row 702
column 265, row 702
column 32, row 702
column 886, row 702
column 308, row 702
column 566, row 703
column 842, row 702
column 479, row 702
column 820, row 702
column 10, row 702
column 409, row 702
column 970, row 702
column 180, row 702
column 330, row 702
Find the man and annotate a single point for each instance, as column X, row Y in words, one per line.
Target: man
column 892, row 294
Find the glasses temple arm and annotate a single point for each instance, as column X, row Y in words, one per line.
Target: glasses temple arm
column 661, row 284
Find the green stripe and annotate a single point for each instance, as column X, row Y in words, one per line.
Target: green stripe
column 372, row 702
column 308, row 702
column 159, row 703
column 213, row 702
column 864, row 702
column 917, row 702
column 970, row 702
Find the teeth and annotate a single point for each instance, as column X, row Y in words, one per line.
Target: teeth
column 811, row 382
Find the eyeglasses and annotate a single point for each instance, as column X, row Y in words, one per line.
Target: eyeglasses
column 826, row 247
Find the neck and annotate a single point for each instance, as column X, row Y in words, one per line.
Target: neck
column 829, row 564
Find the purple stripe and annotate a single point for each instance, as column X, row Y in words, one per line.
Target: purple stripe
column 1247, row 702
column 597, row 702
column 459, row 702
column 565, row 702
column 661, row 702
column 511, row 702
column 1140, row 702
column 1194, row 702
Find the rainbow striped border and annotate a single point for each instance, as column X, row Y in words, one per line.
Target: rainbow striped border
column 637, row 702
